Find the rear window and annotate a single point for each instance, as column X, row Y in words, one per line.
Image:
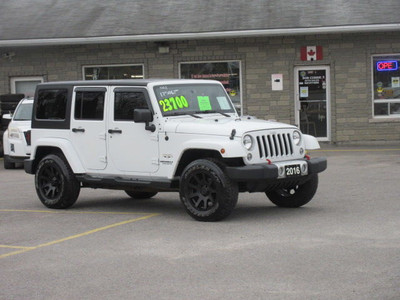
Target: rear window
column 51, row 104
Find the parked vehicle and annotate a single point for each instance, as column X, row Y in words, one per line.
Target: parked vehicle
column 8, row 103
column 16, row 139
column 147, row 136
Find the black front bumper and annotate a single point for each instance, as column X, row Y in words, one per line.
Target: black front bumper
column 270, row 172
column 16, row 159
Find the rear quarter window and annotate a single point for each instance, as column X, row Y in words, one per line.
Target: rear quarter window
column 52, row 107
column 51, row 104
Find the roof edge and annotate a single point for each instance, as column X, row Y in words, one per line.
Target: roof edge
column 200, row 35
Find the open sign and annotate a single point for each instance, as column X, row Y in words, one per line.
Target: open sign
column 388, row 65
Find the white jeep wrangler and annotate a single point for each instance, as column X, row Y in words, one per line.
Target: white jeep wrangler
column 148, row 136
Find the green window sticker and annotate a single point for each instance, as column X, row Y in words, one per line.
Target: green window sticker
column 204, row 103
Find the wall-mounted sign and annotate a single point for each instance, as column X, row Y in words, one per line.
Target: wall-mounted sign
column 387, row 65
column 277, row 82
column 311, row 53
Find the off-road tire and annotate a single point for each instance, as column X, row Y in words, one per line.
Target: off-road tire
column 295, row 196
column 206, row 192
column 140, row 195
column 55, row 183
column 7, row 163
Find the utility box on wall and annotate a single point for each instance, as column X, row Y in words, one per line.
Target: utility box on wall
column 277, row 82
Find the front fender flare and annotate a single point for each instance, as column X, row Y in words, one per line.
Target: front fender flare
column 232, row 148
column 310, row 142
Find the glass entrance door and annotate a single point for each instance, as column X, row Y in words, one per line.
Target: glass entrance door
column 313, row 101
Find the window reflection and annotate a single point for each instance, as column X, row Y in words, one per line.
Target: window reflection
column 113, row 72
column 228, row 73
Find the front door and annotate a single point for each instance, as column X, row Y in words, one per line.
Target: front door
column 132, row 148
column 312, row 99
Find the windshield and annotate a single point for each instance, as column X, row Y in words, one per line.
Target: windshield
column 24, row 112
column 186, row 99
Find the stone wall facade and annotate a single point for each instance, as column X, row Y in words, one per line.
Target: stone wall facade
column 347, row 55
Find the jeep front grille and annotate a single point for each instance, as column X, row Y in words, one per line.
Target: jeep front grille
column 274, row 145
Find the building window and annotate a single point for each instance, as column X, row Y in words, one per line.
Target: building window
column 113, row 72
column 386, row 85
column 25, row 85
column 228, row 73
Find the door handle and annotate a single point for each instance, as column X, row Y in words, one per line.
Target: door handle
column 114, row 131
column 78, row 129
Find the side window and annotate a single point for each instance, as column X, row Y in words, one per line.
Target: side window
column 126, row 103
column 51, row 104
column 89, row 105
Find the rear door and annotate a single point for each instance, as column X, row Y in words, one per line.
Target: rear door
column 88, row 126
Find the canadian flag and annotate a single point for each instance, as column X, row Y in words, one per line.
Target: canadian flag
column 311, row 53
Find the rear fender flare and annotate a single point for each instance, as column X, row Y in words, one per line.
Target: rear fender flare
column 66, row 148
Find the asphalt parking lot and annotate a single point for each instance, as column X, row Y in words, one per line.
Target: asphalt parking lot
column 345, row 244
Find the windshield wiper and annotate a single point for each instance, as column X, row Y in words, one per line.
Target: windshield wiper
column 183, row 114
column 212, row 112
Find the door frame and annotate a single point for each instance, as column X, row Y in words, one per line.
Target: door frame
column 328, row 97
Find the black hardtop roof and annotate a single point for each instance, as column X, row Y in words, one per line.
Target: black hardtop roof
column 120, row 82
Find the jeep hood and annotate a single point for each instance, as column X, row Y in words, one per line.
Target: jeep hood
column 221, row 126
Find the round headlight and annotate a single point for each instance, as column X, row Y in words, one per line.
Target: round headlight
column 247, row 142
column 296, row 137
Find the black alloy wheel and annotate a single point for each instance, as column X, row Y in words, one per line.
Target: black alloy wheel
column 202, row 191
column 206, row 192
column 55, row 183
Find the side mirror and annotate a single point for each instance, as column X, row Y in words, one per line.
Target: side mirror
column 141, row 115
column 7, row 116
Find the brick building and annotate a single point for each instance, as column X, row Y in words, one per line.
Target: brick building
column 331, row 68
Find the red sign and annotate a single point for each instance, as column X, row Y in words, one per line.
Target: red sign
column 387, row 65
column 311, row 53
